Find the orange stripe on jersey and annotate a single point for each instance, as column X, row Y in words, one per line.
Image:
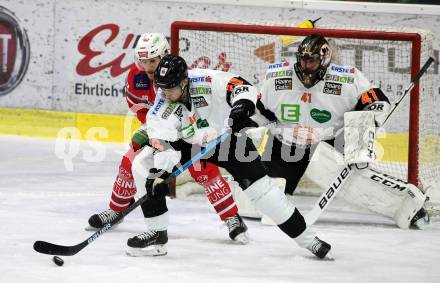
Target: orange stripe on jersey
column 235, row 81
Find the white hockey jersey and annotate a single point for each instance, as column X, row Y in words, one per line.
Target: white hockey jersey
column 212, row 94
column 309, row 115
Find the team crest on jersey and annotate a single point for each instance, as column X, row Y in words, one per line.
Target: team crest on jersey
column 199, row 101
column 283, row 84
column 141, row 82
column 332, row 88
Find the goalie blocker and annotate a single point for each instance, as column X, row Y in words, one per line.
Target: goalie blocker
column 376, row 191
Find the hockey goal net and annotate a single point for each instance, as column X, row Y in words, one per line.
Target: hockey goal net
column 409, row 148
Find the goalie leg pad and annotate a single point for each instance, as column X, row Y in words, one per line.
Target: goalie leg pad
column 270, row 200
column 385, row 195
column 375, row 191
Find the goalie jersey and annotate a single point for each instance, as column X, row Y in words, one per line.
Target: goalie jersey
column 309, row 115
column 212, row 94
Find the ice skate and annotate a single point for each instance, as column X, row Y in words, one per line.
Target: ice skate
column 237, row 229
column 320, row 248
column 150, row 243
column 421, row 220
column 97, row 221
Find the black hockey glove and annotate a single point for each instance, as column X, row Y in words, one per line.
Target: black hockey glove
column 240, row 113
column 160, row 189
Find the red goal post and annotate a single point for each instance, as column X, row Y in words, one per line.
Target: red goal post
column 409, row 49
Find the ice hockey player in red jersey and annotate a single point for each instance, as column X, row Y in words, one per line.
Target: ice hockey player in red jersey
column 140, row 94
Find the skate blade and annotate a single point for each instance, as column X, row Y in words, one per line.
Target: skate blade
column 157, row 250
column 329, row 256
column 242, row 239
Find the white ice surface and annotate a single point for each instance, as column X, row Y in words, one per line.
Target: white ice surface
column 41, row 200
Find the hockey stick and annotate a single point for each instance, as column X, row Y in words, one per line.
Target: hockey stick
column 329, row 194
column 53, row 249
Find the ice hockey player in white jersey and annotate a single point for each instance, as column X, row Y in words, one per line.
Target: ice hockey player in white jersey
column 307, row 101
column 191, row 109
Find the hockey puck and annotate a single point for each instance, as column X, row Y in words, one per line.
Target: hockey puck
column 58, row 261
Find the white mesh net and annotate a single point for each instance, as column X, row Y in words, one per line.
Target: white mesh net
column 387, row 63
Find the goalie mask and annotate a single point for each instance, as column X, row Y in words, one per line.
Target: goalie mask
column 150, row 45
column 313, row 58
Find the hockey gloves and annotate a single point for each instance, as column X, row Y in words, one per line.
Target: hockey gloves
column 240, row 113
column 160, row 189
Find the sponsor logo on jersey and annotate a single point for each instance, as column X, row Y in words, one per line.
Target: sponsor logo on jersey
column 158, row 105
column 202, row 123
column 167, row 112
column 239, row 90
column 187, row 131
column 341, row 79
column 200, row 90
column 278, row 65
column 141, row 82
column 14, row 51
column 340, row 69
column 290, row 113
column 375, row 106
column 199, row 101
column 192, row 118
column 283, row 84
column 320, row 116
column 202, row 179
column 284, row 73
column 207, row 79
column 332, row 88
column 178, row 113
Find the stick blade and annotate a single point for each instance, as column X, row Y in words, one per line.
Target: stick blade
column 52, row 249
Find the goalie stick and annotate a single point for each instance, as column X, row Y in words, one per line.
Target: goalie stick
column 329, row 194
column 54, row 249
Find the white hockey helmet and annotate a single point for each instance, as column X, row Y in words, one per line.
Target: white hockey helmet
column 150, row 45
